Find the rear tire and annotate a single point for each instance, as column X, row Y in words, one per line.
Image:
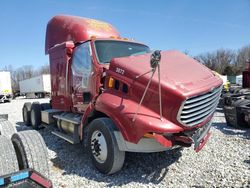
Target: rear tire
column 26, row 113
column 8, row 159
column 35, row 115
column 6, row 128
column 31, row 151
column 103, row 147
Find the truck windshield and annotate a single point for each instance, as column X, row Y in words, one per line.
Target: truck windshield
column 109, row 49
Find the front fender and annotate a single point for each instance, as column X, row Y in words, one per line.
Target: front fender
column 122, row 110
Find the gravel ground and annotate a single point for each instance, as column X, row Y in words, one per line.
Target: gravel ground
column 223, row 162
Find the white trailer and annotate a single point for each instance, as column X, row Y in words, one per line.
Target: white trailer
column 239, row 80
column 36, row 87
column 5, row 86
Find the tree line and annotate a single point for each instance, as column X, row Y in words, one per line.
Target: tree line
column 23, row 73
column 226, row 61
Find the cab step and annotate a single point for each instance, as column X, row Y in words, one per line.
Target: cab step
column 66, row 137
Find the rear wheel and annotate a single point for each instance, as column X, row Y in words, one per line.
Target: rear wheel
column 35, row 115
column 8, row 159
column 103, row 147
column 6, row 128
column 26, row 113
column 31, row 151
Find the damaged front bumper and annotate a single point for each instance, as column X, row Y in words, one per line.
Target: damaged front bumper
column 198, row 137
column 201, row 136
column 154, row 142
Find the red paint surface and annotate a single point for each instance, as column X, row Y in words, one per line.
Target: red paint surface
column 64, row 28
column 181, row 77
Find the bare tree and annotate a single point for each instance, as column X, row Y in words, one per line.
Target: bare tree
column 45, row 69
column 242, row 57
column 208, row 59
column 225, row 58
column 23, row 73
column 218, row 60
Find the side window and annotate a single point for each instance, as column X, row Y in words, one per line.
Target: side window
column 81, row 65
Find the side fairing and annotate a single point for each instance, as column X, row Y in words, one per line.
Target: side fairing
column 59, row 70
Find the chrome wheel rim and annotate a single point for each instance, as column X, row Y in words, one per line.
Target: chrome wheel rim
column 99, row 146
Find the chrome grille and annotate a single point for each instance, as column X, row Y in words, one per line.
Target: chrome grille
column 196, row 109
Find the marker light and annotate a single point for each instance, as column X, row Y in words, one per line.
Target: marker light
column 111, row 82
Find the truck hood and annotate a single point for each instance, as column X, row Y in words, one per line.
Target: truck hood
column 179, row 73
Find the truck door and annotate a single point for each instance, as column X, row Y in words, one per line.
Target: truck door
column 81, row 72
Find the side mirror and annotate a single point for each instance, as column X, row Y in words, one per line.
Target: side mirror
column 155, row 58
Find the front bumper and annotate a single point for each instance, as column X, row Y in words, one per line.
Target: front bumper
column 198, row 138
column 201, row 136
column 159, row 142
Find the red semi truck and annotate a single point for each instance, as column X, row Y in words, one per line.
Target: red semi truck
column 116, row 95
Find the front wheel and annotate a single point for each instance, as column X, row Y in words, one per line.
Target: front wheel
column 103, row 147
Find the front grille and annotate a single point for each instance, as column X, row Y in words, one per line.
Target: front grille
column 197, row 109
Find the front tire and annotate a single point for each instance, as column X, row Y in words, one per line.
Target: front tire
column 103, row 147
